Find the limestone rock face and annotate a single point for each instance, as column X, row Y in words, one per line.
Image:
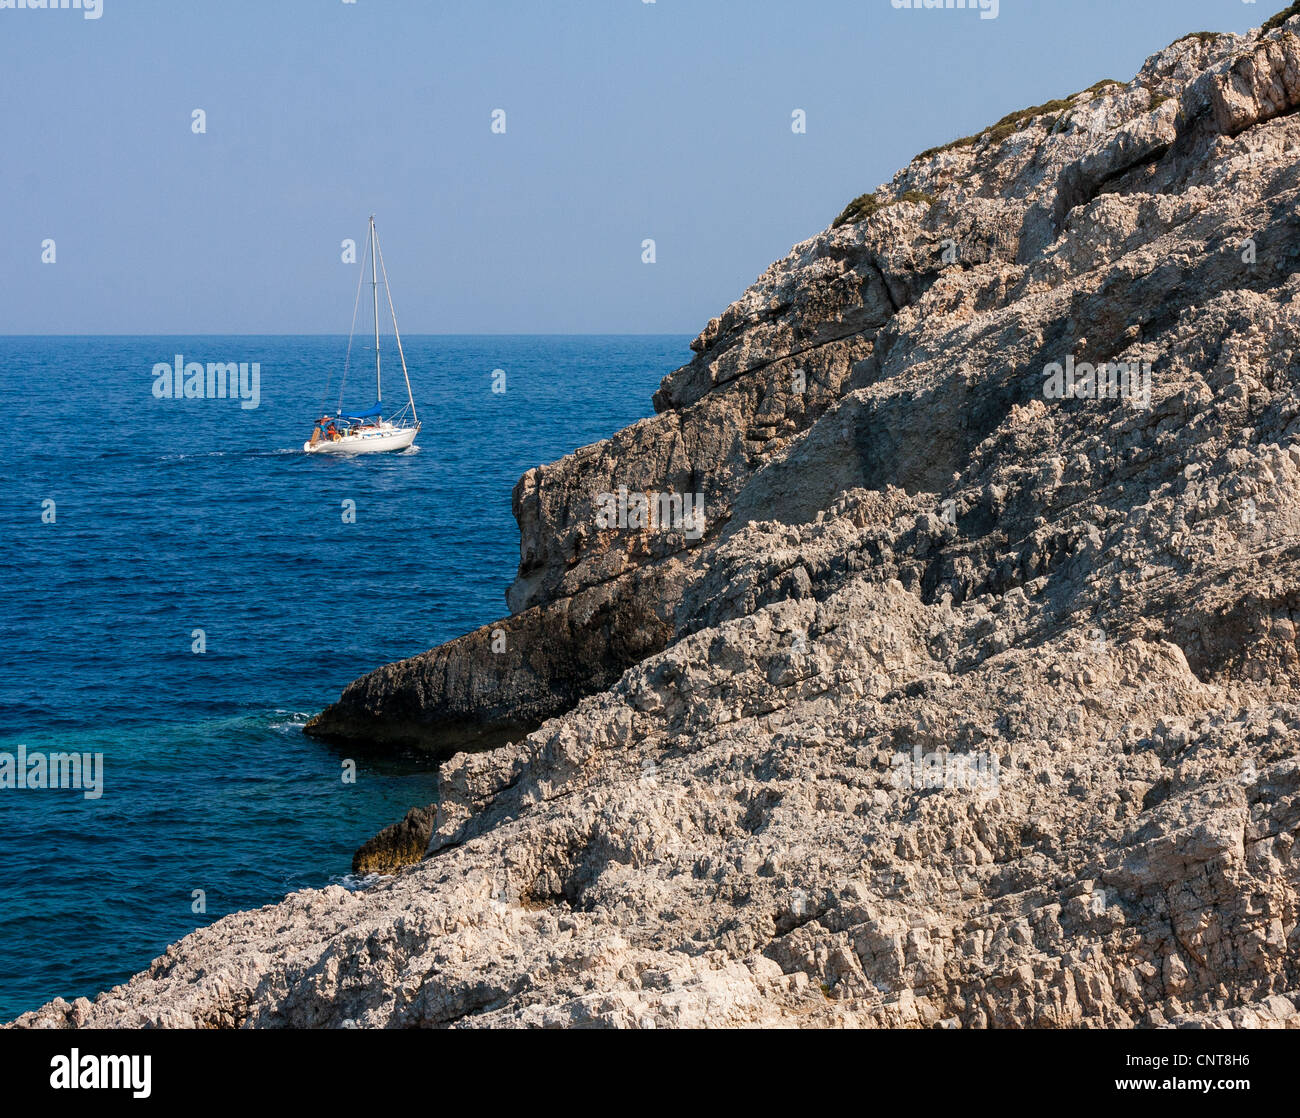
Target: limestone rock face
column 973, row 706
column 1259, row 85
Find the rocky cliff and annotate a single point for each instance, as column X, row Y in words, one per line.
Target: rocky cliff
column 973, row 701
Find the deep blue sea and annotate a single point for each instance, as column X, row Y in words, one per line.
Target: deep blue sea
column 171, row 516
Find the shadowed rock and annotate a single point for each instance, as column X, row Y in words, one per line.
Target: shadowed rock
column 400, row 845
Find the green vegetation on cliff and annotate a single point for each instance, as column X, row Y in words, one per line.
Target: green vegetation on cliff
column 1274, row 22
column 864, row 205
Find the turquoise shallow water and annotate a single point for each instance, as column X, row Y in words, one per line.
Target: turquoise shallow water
column 172, row 516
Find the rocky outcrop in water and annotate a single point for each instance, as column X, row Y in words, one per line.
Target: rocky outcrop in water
column 974, row 703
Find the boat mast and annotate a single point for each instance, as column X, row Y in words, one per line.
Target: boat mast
column 374, row 289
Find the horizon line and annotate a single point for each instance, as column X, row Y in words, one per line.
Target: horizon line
column 414, row 334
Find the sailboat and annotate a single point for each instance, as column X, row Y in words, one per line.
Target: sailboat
column 368, row 431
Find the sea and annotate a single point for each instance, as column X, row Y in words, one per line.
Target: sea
column 181, row 588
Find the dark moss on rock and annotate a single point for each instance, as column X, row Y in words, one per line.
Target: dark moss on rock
column 402, row 844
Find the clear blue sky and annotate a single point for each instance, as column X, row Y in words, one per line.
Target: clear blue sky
column 625, row 120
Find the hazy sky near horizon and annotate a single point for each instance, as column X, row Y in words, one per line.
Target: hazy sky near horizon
column 625, row 120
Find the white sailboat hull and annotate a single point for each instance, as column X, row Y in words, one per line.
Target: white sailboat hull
column 376, row 440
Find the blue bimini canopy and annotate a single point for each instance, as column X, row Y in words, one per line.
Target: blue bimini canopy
column 365, row 414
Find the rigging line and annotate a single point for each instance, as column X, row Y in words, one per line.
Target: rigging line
column 410, row 398
column 356, row 303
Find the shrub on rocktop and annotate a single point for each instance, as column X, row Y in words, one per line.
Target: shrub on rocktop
column 1014, row 122
column 864, row 205
column 1274, row 22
